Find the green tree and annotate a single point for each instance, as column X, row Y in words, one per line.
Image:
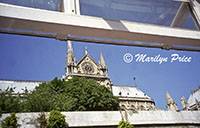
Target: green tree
column 56, row 120
column 8, row 101
column 90, row 96
column 10, row 122
column 47, row 97
column 77, row 94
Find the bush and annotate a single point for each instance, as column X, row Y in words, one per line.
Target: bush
column 56, row 120
column 10, row 122
column 124, row 124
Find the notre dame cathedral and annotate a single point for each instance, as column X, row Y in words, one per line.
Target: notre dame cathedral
column 86, row 67
column 130, row 96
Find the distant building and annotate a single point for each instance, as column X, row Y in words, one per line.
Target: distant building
column 194, row 100
column 19, row 85
column 133, row 98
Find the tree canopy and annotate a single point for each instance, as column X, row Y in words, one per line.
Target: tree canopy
column 76, row 94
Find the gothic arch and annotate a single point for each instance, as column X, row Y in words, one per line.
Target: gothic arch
column 133, row 107
column 123, row 107
column 142, row 108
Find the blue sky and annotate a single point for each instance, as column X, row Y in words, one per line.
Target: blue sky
column 33, row 58
column 42, row 59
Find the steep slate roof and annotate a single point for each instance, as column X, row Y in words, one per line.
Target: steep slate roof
column 195, row 95
column 19, row 85
column 128, row 91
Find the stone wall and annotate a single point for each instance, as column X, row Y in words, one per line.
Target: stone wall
column 169, row 126
column 137, row 105
column 110, row 119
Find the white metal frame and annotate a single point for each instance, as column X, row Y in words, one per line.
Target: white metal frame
column 181, row 15
column 72, row 23
column 71, row 6
column 195, row 10
column 187, row 6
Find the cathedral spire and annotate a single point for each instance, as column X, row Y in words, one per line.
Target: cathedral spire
column 168, row 96
column 86, row 51
column 102, row 62
column 70, row 54
column 184, row 103
column 102, row 65
column 70, row 60
column 171, row 104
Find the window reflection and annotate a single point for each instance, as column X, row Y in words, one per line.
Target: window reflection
column 189, row 23
column 160, row 12
column 41, row 4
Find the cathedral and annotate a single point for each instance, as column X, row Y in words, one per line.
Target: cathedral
column 86, row 67
column 130, row 96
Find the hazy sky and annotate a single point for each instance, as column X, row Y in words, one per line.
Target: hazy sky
column 42, row 59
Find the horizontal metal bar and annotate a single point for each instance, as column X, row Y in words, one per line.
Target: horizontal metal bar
column 24, row 18
column 166, row 47
column 150, row 45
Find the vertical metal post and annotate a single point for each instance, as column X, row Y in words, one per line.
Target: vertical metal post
column 195, row 10
column 181, row 15
column 77, row 7
column 70, row 6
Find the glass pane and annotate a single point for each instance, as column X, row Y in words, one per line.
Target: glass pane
column 153, row 78
column 189, row 23
column 42, row 59
column 41, row 4
column 160, row 12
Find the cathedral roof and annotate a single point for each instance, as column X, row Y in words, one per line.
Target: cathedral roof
column 86, row 55
column 19, row 85
column 195, row 95
column 128, row 91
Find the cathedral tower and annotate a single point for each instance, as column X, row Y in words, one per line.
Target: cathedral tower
column 86, row 67
column 71, row 66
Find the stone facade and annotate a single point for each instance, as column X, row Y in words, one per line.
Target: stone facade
column 194, row 100
column 86, row 67
column 130, row 97
column 171, row 104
